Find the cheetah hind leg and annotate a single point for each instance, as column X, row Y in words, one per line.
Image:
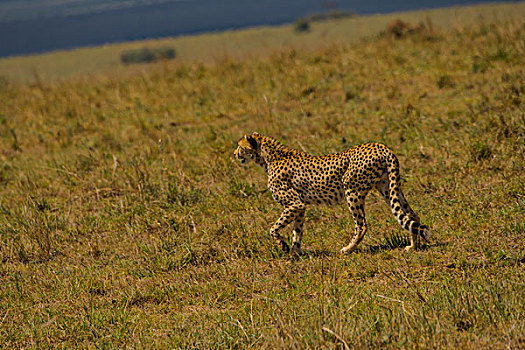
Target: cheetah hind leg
column 356, row 206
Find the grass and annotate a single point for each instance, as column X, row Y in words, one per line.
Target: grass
column 126, row 222
column 252, row 43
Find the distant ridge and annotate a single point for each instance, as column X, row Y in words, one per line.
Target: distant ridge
column 246, row 43
column 40, row 26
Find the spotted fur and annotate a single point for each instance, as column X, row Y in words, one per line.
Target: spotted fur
column 296, row 179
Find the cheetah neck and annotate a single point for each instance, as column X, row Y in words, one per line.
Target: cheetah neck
column 272, row 151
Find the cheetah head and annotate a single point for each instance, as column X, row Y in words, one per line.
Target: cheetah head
column 247, row 149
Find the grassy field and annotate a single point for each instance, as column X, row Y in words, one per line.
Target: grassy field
column 126, row 222
column 247, row 43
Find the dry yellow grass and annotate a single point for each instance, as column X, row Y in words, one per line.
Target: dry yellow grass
column 126, row 222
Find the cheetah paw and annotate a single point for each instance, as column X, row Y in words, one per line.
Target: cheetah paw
column 409, row 248
column 296, row 250
column 347, row 250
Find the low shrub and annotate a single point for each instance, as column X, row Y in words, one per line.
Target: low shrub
column 302, row 25
column 147, row 55
column 398, row 28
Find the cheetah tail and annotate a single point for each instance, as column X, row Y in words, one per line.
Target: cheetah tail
column 403, row 217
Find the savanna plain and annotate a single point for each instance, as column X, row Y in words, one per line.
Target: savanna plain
column 125, row 220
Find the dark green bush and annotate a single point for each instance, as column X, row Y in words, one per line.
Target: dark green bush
column 166, row 53
column 480, row 151
column 445, row 81
column 147, row 55
column 302, row 25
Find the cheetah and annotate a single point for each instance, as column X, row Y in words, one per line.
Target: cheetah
column 296, row 179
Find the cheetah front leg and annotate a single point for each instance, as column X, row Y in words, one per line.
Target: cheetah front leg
column 298, row 233
column 290, row 213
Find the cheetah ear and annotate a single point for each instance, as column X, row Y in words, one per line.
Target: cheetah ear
column 252, row 141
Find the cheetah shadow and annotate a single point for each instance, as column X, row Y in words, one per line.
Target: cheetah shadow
column 308, row 254
column 378, row 248
column 368, row 249
column 318, row 253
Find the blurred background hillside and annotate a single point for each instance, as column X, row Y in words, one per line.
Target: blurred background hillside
column 39, row 26
column 311, row 26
